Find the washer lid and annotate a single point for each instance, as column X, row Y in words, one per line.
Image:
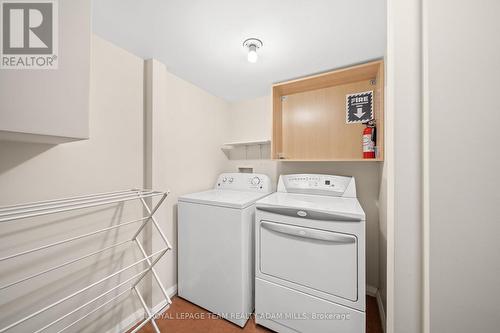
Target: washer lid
column 224, row 198
column 315, row 207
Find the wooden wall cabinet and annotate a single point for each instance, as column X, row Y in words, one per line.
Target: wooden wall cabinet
column 309, row 117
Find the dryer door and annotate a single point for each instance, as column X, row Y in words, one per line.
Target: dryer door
column 321, row 260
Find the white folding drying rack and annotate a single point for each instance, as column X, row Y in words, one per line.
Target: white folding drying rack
column 23, row 211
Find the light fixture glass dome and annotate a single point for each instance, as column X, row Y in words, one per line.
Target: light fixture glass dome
column 252, row 54
column 252, row 44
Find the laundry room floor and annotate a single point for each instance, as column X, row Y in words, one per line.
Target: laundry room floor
column 185, row 317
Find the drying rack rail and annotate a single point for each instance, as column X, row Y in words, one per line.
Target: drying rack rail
column 35, row 209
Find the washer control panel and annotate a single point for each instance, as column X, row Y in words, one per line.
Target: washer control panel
column 244, row 182
column 331, row 185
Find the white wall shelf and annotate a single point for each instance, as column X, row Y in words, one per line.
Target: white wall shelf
column 245, row 150
column 232, row 145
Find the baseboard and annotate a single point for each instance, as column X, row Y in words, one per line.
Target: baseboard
column 371, row 291
column 374, row 292
column 132, row 320
column 172, row 291
column 381, row 310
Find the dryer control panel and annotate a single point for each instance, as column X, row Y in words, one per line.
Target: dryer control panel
column 331, row 185
column 244, row 182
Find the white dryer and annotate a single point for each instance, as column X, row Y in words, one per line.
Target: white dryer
column 310, row 256
column 216, row 245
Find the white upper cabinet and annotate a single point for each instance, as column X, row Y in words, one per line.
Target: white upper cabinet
column 45, row 105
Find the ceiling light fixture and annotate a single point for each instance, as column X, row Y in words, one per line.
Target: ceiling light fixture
column 252, row 44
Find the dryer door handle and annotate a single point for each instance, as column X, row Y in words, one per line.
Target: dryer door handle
column 312, row 215
column 326, row 236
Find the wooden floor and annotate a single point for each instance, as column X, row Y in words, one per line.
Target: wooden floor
column 185, row 317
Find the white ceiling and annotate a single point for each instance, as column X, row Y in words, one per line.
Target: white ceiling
column 201, row 41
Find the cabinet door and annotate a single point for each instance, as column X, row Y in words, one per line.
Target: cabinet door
column 52, row 105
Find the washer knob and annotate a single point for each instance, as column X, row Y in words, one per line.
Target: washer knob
column 224, row 179
column 255, row 181
column 231, row 179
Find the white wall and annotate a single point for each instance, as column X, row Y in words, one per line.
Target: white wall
column 462, row 50
column 383, row 214
column 112, row 159
column 188, row 128
column 252, row 120
column 442, row 66
column 404, row 171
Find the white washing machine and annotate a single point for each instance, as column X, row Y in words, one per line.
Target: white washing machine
column 310, row 256
column 216, row 245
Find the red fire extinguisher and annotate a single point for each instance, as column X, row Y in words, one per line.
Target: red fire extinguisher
column 369, row 139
